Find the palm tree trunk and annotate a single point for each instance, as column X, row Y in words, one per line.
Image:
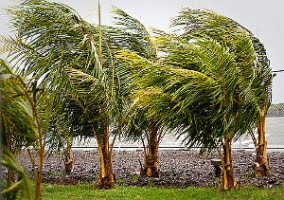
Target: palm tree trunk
column 106, row 178
column 40, row 152
column 261, row 166
column 151, row 158
column 228, row 173
column 39, row 172
column 68, row 160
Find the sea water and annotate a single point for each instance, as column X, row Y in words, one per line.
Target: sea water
column 274, row 136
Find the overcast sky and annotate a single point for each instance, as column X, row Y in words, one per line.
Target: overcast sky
column 263, row 17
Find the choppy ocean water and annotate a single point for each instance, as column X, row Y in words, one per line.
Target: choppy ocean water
column 274, row 135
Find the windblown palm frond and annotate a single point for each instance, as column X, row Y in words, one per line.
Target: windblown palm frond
column 17, row 119
column 137, row 36
column 51, row 37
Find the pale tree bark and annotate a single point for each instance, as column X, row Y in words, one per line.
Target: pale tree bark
column 228, row 173
column 151, row 157
column 68, row 158
column 106, row 178
column 261, row 165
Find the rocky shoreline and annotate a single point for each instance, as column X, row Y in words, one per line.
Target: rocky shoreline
column 178, row 168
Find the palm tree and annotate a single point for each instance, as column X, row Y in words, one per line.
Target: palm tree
column 67, row 123
column 40, row 51
column 211, row 89
column 138, row 124
column 195, row 22
column 17, row 129
column 33, row 109
column 149, row 130
column 62, row 52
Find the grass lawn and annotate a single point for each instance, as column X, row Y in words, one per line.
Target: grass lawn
column 85, row 192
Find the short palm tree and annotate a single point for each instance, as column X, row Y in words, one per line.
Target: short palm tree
column 33, row 105
column 138, row 124
column 67, row 123
column 149, row 130
column 17, row 129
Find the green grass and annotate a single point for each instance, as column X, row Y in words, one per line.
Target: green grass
column 85, row 192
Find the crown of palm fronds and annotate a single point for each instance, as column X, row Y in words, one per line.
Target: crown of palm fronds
column 60, row 50
column 211, row 85
column 223, row 29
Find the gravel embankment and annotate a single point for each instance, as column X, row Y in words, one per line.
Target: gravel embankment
column 178, row 168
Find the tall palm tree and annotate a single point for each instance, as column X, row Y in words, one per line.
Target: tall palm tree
column 42, row 49
column 62, row 52
column 195, row 22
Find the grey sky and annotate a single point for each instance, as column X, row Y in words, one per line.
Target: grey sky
column 264, row 18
